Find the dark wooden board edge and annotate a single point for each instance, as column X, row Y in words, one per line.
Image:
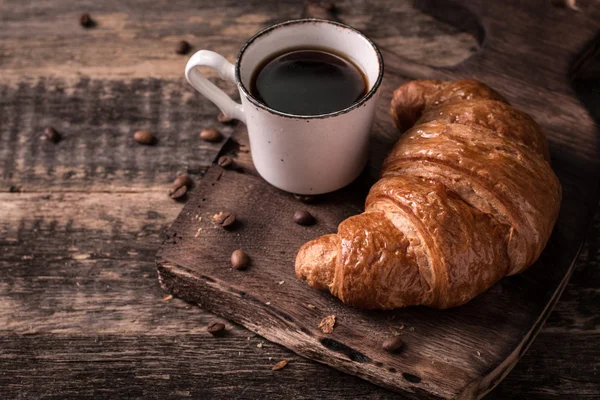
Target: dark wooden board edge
column 181, row 283
column 480, row 389
column 199, row 289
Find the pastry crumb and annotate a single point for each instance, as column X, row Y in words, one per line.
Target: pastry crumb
column 327, row 324
column 168, row 297
column 279, row 365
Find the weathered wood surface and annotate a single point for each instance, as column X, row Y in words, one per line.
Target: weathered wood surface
column 81, row 312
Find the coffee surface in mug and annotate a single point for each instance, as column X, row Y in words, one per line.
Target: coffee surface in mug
column 308, row 82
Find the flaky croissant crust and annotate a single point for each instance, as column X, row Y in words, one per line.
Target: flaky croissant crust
column 466, row 197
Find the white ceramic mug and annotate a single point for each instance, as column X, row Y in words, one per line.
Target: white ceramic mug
column 304, row 154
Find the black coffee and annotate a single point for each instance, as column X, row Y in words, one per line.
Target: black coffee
column 308, row 82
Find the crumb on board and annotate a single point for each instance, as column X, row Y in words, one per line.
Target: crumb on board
column 311, row 306
column 168, row 297
column 260, row 345
column 279, row 365
column 327, row 324
column 281, row 282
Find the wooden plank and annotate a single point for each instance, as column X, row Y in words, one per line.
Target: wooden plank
column 198, row 366
column 96, row 119
column 137, row 40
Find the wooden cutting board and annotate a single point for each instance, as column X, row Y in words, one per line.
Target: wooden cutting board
column 528, row 54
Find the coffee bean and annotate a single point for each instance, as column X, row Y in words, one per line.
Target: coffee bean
column 183, row 47
column 143, row 137
column 225, row 219
column 211, row 135
column 216, row 328
column 86, row 21
column 177, row 192
column 182, row 180
column 304, row 218
column 305, row 198
column 239, row 259
column 225, row 162
column 51, row 135
column 393, row 344
column 224, row 119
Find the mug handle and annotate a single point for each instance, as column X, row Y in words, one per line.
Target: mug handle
column 226, row 71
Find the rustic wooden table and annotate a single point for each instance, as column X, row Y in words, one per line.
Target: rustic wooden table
column 81, row 311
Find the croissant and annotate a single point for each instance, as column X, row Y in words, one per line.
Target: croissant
column 466, row 197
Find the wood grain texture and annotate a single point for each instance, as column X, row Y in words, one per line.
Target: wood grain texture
column 81, row 312
column 97, row 119
column 198, row 366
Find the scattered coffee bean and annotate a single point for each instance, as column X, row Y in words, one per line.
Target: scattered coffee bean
column 224, row 219
column 216, row 328
column 304, row 218
column 182, row 180
column 177, row 192
column 143, row 137
column 393, row 344
column 239, row 259
column 86, row 21
column 51, row 135
column 225, row 162
column 211, row 135
column 305, row 198
column 224, row 119
column 183, row 47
